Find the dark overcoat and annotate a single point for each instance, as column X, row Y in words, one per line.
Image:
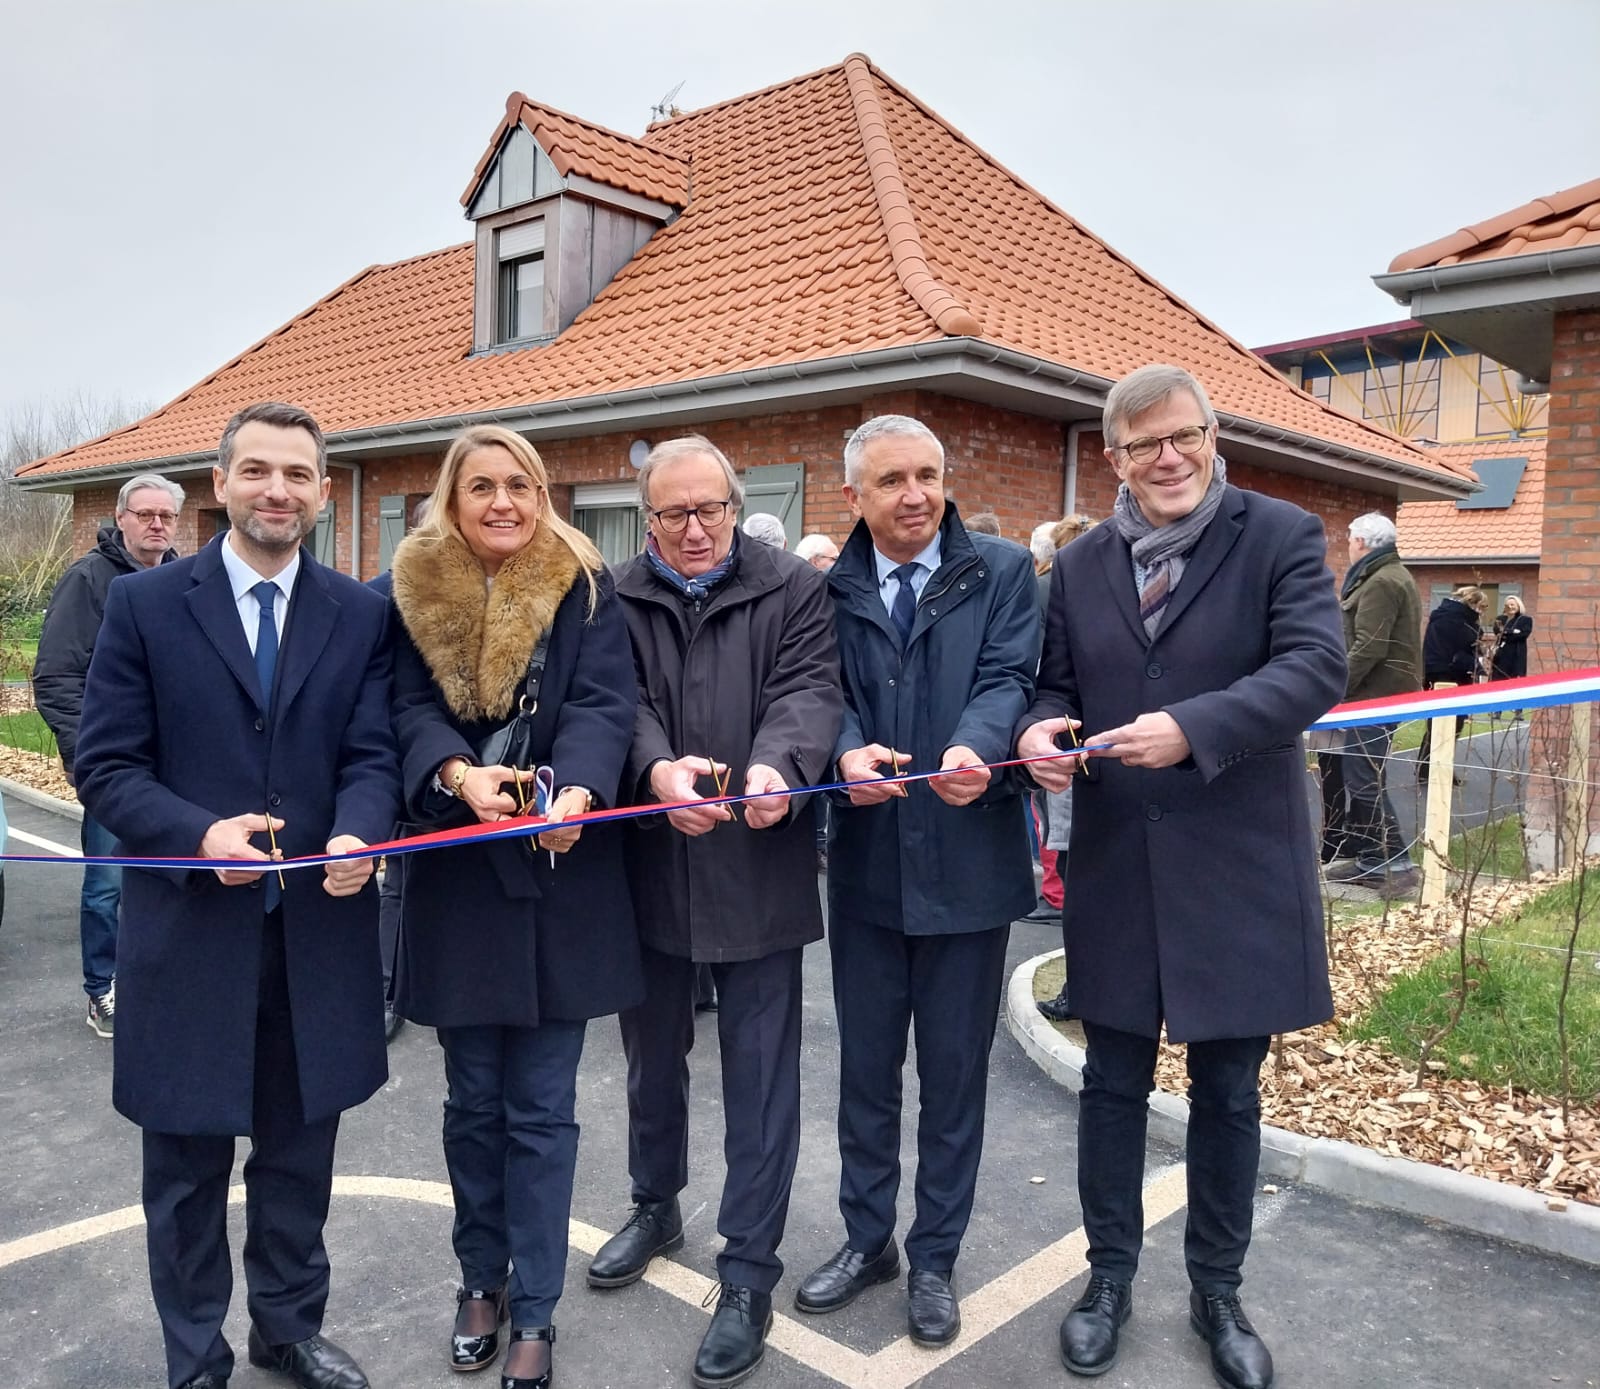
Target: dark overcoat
column 915, row 864
column 174, row 737
column 1511, row 650
column 493, row 933
column 752, row 676
column 1194, row 893
column 1450, row 644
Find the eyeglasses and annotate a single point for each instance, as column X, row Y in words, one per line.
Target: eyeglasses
column 676, row 518
column 1190, row 439
column 517, row 489
column 149, row 518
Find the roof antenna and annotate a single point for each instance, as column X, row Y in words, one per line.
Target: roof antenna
column 667, row 107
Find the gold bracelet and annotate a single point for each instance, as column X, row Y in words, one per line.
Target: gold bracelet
column 585, row 792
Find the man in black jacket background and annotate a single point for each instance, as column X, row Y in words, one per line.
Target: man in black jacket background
column 142, row 536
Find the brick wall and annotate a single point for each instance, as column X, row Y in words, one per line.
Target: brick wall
column 1569, row 574
column 1000, row 460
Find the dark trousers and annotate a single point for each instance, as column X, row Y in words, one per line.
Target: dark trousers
column 948, row 988
column 98, row 906
column 1224, row 1152
column 391, row 902
column 511, row 1145
column 288, row 1179
column 758, row 1031
column 1371, row 829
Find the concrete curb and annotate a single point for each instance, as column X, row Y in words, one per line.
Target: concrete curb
column 1417, row 1188
column 43, row 799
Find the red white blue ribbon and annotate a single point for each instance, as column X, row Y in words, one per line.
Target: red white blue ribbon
column 1528, row 692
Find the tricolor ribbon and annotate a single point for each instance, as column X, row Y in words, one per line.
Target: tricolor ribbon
column 1528, row 692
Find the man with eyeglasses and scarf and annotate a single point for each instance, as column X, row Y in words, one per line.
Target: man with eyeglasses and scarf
column 1190, row 641
column 142, row 536
column 738, row 695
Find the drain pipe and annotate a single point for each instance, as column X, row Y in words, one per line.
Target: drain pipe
column 1075, row 432
column 355, row 516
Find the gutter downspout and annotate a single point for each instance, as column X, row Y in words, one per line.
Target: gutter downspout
column 355, row 516
column 1075, row 432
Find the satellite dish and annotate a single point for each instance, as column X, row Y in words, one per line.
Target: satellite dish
column 638, row 451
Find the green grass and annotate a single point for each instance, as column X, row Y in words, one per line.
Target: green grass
column 1492, row 850
column 26, row 730
column 1507, row 1031
column 16, row 658
column 1411, row 735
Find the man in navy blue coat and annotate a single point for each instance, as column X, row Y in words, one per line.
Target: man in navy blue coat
column 1201, row 636
column 938, row 638
column 245, row 682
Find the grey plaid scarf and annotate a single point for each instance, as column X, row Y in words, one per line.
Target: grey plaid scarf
column 1161, row 553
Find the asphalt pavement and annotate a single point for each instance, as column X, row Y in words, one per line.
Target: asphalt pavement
column 1345, row 1294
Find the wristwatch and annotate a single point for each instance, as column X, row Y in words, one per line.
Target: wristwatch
column 457, row 778
column 585, row 792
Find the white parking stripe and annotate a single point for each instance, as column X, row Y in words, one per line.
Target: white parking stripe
column 897, row 1366
column 39, row 843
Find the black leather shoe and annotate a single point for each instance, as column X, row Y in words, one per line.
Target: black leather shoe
column 392, row 1023
column 206, row 1381
column 1089, row 1332
column 736, row 1340
column 1057, row 1009
column 932, row 1311
column 1239, row 1358
column 1044, row 913
column 652, row 1227
column 314, row 1363
column 533, row 1333
column 845, row 1276
column 473, row 1350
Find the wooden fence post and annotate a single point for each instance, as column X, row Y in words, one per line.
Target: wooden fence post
column 1436, row 825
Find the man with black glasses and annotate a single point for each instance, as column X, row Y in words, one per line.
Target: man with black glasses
column 1194, row 636
column 738, row 694
column 146, row 523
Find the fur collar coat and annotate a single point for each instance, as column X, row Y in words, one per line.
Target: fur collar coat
column 476, row 636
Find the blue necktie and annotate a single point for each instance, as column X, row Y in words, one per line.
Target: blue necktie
column 266, row 593
column 904, row 612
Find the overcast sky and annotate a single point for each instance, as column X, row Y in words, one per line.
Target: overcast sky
column 180, row 178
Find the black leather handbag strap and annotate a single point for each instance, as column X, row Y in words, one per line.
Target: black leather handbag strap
column 530, row 688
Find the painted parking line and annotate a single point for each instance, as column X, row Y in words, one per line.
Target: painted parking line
column 897, row 1366
column 48, row 845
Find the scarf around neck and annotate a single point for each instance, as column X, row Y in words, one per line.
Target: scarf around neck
column 1358, row 570
column 701, row 585
column 1161, row 552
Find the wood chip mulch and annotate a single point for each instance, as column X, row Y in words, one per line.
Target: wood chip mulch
column 1321, row 1086
column 30, row 768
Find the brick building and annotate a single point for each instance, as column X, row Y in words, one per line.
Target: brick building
column 768, row 271
column 1479, row 413
column 1524, row 287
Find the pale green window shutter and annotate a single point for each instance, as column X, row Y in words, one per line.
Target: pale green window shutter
column 323, row 537
column 777, row 488
column 391, row 529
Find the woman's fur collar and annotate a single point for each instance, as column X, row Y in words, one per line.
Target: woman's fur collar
column 477, row 641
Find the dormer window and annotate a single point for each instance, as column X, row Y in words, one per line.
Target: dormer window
column 520, row 298
column 560, row 206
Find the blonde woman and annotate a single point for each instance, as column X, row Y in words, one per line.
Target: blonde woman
column 509, row 947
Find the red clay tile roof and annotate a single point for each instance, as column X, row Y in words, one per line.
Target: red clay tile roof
column 1438, row 530
column 1556, row 223
column 580, row 147
column 831, row 214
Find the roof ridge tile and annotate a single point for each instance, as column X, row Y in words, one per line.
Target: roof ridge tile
column 905, row 243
